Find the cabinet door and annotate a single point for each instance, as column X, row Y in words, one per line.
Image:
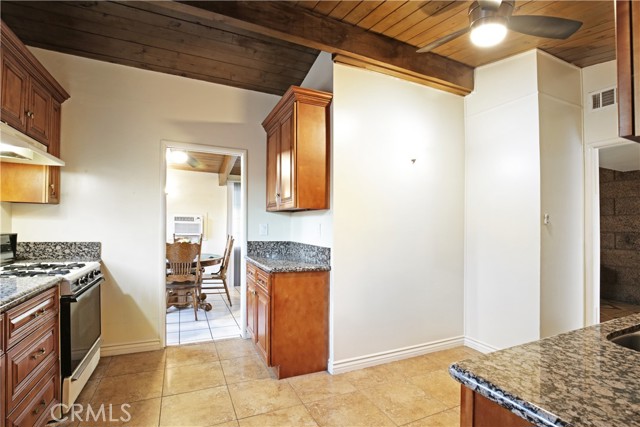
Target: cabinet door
column 262, row 325
column 15, row 81
column 272, row 167
column 286, row 162
column 251, row 309
column 39, row 111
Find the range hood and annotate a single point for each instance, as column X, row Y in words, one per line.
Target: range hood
column 16, row 147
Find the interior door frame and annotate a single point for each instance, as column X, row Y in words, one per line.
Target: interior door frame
column 242, row 153
column 592, row 226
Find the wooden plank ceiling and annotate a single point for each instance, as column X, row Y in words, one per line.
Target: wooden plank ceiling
column 267, row 46
column 209, row 162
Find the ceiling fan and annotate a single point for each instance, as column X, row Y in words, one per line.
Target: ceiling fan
column 490, row 19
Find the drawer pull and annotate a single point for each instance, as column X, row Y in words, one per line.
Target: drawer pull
column 40, row 407
column 39, row 313
column 38, row 353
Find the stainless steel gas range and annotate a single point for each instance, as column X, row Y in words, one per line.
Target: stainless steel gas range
column 80, row 327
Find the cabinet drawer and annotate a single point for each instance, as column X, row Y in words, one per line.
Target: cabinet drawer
column 251, row 272
column 35, row 409
column 263, row 281
column 27, row 361
column 31, row 315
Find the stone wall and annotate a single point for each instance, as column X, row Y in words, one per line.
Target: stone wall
column 620, row 235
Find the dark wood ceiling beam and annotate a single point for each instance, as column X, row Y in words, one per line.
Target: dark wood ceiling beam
column 301, row 26
column 145, row 57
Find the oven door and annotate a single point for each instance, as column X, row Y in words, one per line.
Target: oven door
column 80, row 328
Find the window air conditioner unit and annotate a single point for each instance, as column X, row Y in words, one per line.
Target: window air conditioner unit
column 187, row 225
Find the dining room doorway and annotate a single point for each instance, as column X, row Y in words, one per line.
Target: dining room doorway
column 205, row 200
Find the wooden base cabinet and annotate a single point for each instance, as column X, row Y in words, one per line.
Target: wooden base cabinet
column 30, row 368
column 478, row 411
column 288, row 319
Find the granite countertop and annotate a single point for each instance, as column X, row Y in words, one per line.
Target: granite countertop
column 284, row 265
column 574, row 379
column 15, row 290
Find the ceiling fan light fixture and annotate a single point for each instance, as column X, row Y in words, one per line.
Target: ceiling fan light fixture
column 178, row 156
column 488, row 32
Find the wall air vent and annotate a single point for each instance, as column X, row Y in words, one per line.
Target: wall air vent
column 603, row 98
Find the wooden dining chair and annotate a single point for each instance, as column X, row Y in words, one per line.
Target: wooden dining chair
column 218, row 281
column 184, row 274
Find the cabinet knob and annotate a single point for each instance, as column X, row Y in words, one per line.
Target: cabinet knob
column 53, row 189
column 30, row 114
column 38, row 353
column 40, row 407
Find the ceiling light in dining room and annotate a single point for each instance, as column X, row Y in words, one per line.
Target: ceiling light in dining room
column 177, row 156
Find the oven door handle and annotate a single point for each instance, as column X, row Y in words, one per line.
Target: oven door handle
column 75, row 297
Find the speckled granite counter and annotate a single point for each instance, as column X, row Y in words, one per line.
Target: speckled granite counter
column 288, row 257
column 276, row 265
column 15, row 290
column 575, row 379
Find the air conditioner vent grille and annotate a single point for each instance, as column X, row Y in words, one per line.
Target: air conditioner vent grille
column 603, row 98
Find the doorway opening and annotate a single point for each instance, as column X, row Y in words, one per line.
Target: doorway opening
column 205, row 201
column 613, row 230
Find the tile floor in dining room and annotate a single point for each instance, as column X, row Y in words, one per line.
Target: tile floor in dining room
column 225, row 383
column 221, row 322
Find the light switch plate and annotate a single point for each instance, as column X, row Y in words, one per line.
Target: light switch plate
column 263, row 229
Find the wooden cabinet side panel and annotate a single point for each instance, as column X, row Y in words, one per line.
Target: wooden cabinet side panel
column 15, row 81
column 53, row 187
column 273, row 137
column 312, row 157
column 3, row 401
column 300, row 322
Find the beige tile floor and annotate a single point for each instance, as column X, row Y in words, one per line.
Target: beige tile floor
column 224, row 383
column 610, row 309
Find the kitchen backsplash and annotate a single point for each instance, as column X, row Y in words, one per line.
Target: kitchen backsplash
column 289, row 250
column 86, row 251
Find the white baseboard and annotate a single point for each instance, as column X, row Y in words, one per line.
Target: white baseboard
column 126, row 348
column 346, row 365
column 479, row 345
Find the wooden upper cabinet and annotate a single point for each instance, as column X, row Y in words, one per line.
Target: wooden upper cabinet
column 15, row 88
column 298, row 151
column 628, row 59
column 31, row 103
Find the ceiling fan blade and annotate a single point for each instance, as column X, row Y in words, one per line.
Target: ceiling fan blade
column 490, row 4
column 549, row 27
column 193, row 162
column 443, row 40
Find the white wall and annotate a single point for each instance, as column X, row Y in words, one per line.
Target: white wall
column 199, row 193
column 397, row 226
column 602, row 124
column 562, row 196
column 112, row 129
column 316, row 227
column 502, row 231
column 5, row 217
